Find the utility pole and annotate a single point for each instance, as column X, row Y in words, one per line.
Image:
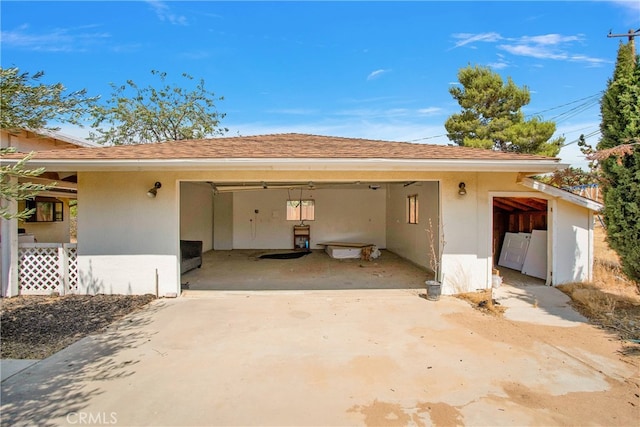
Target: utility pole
column 631, row 35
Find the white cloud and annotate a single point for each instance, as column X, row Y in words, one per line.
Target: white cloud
column 539, row 52
column 632, row 5
column 429, row 111
column 544, row 46
column 163, row 12
column 499, row 65
column 468, row 38
column 588, row 59
column 543, row 52
column 54, row 40
column 377, row 73
column 551, row 39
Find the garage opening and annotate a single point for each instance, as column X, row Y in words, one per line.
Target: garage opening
column 520, row 235
column 337, row 222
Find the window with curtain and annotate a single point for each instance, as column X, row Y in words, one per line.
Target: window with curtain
column 301, row 210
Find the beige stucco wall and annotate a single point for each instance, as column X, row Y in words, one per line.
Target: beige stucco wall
column 223, row 221
column 573, row 243
column 346, row 215
column 128, row 242
column 467, row 226
column 196, row 213
column 411, row 241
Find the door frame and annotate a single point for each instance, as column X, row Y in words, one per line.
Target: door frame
column 551, row 225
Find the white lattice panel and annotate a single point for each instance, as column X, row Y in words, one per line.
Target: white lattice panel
column 72, row 266
column 44, row 268
column 39, row 269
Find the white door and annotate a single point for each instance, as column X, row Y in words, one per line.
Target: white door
column 514, row 250
column 535, row 262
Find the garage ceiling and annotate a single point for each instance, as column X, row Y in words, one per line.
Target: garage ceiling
column 520, row 204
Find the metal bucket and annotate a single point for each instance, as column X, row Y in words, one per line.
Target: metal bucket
column 433, row 290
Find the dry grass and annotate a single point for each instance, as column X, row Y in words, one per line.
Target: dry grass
column 611, row 300
column 483, row 301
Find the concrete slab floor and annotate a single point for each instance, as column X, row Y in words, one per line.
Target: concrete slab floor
column 528, row 299
column 331, row 358
column 244, row 270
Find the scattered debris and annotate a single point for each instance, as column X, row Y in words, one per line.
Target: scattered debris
column 483, row 301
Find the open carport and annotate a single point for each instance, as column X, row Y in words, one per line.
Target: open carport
column 140, row 202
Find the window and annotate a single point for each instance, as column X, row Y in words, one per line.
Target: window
column 46, row 210
column 301, row 210
column 412, row 209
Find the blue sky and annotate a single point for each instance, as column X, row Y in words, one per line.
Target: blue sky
column 377, row 70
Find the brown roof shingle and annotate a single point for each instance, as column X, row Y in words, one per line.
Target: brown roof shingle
column 280, row 146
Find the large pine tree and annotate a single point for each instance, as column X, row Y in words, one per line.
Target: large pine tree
column 620, row 127
column 492, row 117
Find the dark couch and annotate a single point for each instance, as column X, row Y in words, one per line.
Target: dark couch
column 190, row 255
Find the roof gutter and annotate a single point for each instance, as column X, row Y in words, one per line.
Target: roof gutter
column 462, row 165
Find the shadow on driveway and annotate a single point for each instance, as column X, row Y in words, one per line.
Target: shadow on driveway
column 53, row 388
column 332, row 358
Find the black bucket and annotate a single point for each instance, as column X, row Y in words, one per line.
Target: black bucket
column 433, row 290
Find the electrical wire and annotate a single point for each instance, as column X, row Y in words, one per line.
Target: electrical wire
column 589, row 135
column 428, row 137
column 590, row 97
column 590, row 101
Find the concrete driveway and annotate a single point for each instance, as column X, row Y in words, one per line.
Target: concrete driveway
column 331, row 358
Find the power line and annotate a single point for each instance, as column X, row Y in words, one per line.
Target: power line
column 594, row 133
column 574, row 111
column 591, row 101
column 568, row 103
column 427, row 137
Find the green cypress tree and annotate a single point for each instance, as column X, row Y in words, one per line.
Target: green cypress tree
column 620, row 127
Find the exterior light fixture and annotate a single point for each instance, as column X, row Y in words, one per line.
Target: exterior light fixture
column 154, row 191
column 462, row 189
column 374, row 186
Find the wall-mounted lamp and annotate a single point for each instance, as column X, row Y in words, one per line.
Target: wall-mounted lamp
column 374, row 186
column 462, row 189
column 154, row 191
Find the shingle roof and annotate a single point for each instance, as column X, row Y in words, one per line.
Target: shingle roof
column 283, row 146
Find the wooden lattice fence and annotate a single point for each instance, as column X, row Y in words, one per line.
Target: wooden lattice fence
column 47, row 268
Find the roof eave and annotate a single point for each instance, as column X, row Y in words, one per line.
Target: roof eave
column 467, row 165
column 562, row 194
